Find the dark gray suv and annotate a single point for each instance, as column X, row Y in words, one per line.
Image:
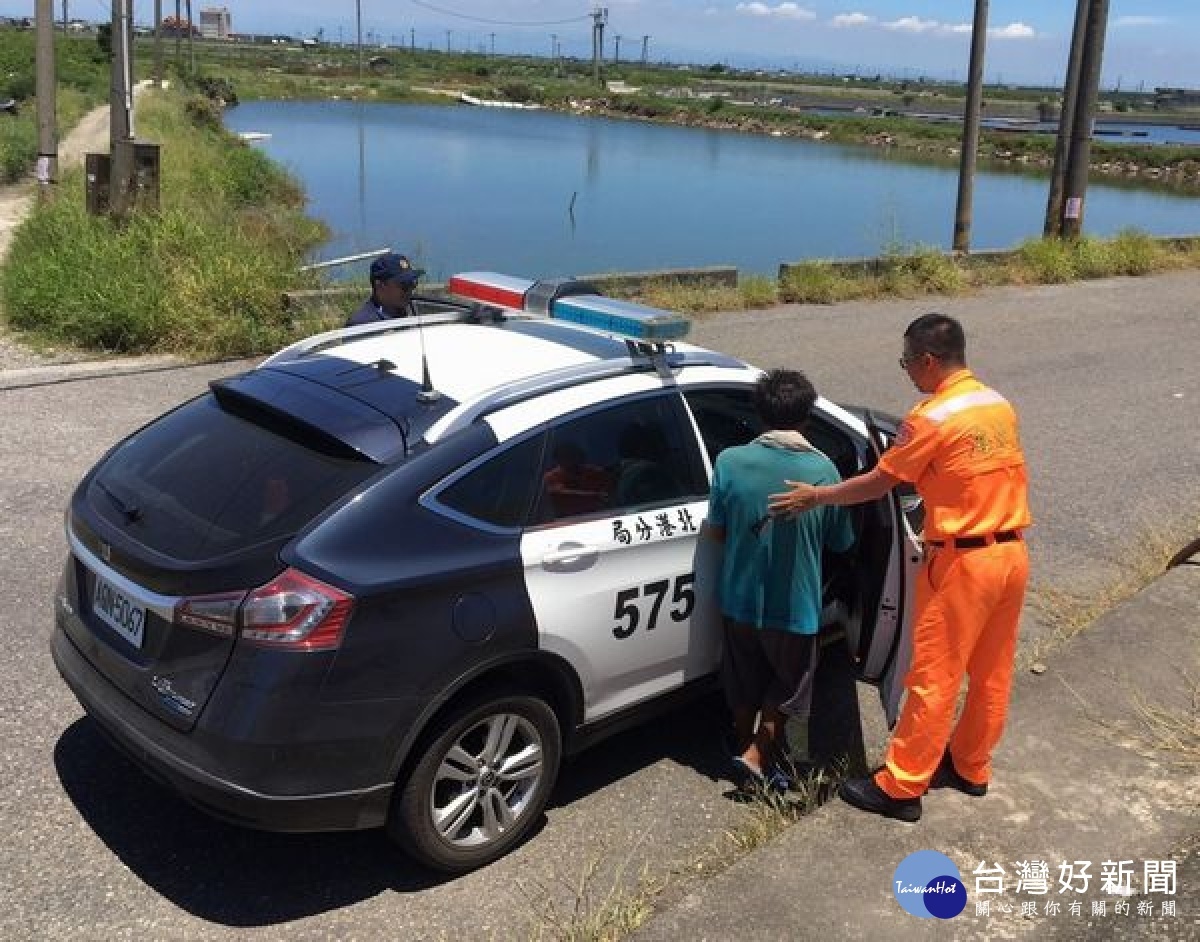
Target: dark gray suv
column 355, row 586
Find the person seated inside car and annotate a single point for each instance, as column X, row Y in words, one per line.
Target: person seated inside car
column 642, row 475
column 573, row 486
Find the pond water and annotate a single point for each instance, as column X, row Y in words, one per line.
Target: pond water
column 541, row 194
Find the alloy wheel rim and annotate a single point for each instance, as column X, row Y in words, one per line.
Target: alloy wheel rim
column 486, row 780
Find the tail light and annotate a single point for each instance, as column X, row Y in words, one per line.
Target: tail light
column 296, row 612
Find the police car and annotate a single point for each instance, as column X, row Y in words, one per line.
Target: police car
column 394, row 574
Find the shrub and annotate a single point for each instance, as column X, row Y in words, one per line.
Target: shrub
column 931, row 271
column 1049, row 261
column 1135, row 253
column 1093, row 258
column 522, row 91
column 816, row 283
column 757, row 291
column 203, row 113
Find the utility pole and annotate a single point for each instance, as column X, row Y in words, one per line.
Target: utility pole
column 617, row 48
column 44, row 85
column 493, row 37
column 158, row 46
column 554, row 46
column 191, row 40
column 120, row 126
column 178, row 36
column 449, row 32
column 66, row 16
column 599, row 20
column 358, row 31
column 1085, row 113
column 645, row 48
column 1066, row 121
column 412, row 38
column 970, row 139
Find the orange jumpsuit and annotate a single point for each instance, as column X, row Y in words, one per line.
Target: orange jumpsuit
column 962, row 451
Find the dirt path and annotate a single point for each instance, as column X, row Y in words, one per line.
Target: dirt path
column 16, row 201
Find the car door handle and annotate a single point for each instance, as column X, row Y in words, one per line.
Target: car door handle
column 570, row 557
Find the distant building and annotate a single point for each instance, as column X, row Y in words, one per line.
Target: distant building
column 1176, row 99
column 216, row 23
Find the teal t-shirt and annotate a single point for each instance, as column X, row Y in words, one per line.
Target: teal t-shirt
column 772, row 579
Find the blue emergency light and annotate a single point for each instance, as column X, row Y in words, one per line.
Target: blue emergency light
column 574, row 302
column 636, row 321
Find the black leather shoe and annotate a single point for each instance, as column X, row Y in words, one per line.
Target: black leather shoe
column 864, row 794
column 947, row 776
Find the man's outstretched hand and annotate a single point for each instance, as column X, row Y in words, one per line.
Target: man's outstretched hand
column 798, row 498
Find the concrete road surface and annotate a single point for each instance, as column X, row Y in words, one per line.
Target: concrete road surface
column 1104, row 376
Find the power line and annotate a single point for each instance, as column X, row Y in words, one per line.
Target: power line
column 481, row 19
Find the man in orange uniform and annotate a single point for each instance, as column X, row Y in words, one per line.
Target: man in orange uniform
column 962, row 451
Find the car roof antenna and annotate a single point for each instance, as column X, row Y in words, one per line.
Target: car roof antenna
column 426, row 393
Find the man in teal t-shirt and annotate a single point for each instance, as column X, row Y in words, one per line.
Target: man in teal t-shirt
column 770, row 583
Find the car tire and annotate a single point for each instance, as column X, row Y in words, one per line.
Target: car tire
column 479, row 783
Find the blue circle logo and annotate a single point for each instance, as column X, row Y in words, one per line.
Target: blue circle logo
column 929, row 885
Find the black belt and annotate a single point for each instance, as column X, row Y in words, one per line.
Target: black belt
column 975, row 542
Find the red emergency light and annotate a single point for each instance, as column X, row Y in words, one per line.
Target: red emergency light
column 489, row 287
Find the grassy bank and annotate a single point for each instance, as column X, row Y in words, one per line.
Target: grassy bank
column 202, row 276
column 920, row 272
column 83, row 77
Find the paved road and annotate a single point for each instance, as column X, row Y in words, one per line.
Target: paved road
column 1105, row 378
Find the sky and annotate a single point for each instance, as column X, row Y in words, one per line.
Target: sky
column 1150, row 42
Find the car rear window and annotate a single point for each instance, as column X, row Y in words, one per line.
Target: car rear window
column 201, row 482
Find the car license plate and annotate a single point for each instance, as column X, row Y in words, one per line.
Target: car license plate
column 119, row 612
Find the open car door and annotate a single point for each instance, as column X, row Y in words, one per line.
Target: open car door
column 883, row 644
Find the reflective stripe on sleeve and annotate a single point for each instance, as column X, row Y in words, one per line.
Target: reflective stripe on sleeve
column 978, row 397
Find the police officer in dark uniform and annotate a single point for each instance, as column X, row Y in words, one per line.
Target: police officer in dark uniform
column 393, row 280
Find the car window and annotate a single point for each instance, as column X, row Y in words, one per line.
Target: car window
column 632, row 456
column 501, row 489
column 726, row 417
column 201, row 482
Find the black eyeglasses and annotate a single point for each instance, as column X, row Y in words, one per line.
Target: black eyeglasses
column 907, row 359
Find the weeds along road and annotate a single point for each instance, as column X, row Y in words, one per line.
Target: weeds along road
column 1105, row 380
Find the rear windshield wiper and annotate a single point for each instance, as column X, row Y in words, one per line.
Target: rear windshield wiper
column 131, row 512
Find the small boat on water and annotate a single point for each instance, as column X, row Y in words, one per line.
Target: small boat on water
column 254, row 135
column 492, row 103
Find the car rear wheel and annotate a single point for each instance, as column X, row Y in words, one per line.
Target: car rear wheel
column 480, row 784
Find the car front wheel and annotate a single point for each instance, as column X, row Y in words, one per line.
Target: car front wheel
column 480, row 784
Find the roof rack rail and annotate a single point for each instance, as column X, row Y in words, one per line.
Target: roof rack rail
column 665, row 362
column 444, row 312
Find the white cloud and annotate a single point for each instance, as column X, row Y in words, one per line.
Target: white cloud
column 912, row 24
column 787, row 11
column 918, row 26
column 1013, row 31
column 1140, row 21
column 852, row 19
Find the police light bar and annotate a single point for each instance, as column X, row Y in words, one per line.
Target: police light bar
column 572, row 301
column 636, row 321
column 491, row 288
